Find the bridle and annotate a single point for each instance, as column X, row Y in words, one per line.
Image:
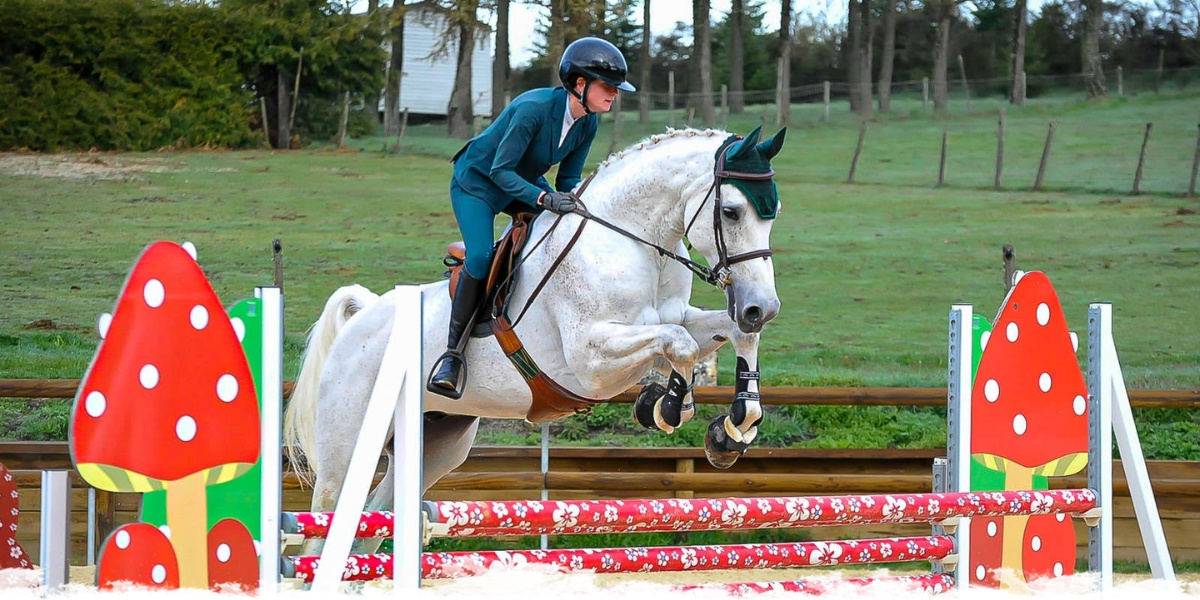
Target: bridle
column 717, row 275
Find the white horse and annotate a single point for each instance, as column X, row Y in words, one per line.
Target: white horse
column 615, row 308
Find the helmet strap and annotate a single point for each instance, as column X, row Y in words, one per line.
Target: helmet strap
column 581, row 97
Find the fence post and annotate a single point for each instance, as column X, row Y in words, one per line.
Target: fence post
column 925, row 94
column 1037, row 183
column 1120, row 81
column 617, row 121
column 942, row 165
column 1158, row 74
column 999, row 151
column 724, row 106
column 862, row 134
column 826, row 100
column 1195, row 166
column 1137, row 177
column 400, row 134
column 691, row 114
column 262, row 102
column 962, row 72
column 671, row 99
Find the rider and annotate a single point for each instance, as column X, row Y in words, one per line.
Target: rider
column 503, row 170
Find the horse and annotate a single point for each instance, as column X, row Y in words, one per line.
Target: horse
column 613, row 304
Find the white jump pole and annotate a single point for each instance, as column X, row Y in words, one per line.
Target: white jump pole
column 271, row 305
column 1109, row 380
column 401, row 377
column 958, row 429
column 56, row 530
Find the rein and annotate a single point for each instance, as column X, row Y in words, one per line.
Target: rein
column 716, row 276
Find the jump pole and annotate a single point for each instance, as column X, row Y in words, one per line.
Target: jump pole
column 271, row 504
column 403, row 382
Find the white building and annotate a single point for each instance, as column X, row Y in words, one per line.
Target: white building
column 428, row 79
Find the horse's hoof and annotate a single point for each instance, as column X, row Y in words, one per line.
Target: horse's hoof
column 721, row 450
column 643, row 407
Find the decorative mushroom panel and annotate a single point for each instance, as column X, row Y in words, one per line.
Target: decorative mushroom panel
column 12, row 556
column 140, row 555
column 169, row 393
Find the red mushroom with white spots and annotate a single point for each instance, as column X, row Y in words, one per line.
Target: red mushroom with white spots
column 1048, row 549
column 137, row 554
column 168, row 402
column 987, row 551
column 232, row 558
column 1029, row 403
column 12, row 556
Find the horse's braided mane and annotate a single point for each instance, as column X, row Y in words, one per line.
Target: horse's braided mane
column 671, row 133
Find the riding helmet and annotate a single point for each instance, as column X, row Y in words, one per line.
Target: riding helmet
column 593, row 58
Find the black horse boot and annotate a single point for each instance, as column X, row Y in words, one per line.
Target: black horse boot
column 449, row 374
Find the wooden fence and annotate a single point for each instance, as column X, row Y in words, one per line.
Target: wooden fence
column 514, row 473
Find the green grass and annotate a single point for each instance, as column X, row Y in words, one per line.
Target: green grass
column 866, row 272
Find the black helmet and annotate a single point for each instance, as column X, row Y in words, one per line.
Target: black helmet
column 594, row 58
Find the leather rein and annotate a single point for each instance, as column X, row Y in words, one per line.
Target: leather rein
column 717, row 275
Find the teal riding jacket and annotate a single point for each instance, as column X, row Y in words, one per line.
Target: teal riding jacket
column 508, row 162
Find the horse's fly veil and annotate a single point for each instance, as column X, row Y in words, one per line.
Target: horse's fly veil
column 752, row 157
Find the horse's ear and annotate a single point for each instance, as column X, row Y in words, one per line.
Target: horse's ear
column 772, row 146
column 746, row 145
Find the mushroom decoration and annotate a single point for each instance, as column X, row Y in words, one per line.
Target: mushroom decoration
column 987, row 550
column 238, row 499
column 232, row 559
column 168, row 402
column 1048, row 548
column 12, row 556
column 1029, row 412
column 140, row 555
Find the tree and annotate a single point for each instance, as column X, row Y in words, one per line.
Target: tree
column 889, row 57
column 737, row 67
column 783, row 95
column 943, row 13
column 854, row 71
column 555, row 39
column 372, row 97
column 1016, row 86
column 644, row 80
column 500, row 62
column 460, row 110
column 1093, row 68
column 702, row 59
column 391, row 91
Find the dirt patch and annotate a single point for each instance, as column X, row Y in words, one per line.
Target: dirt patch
column 90, row 166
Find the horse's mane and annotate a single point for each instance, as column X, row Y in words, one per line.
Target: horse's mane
column 657, row 138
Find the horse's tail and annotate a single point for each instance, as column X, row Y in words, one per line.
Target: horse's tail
column 300, row 418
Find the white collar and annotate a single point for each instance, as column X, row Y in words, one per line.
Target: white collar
column 568, row 121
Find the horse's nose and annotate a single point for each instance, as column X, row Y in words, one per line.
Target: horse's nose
column 756, row 315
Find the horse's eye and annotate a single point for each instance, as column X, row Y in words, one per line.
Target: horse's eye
column 731, row 213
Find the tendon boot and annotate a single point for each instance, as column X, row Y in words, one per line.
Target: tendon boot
column 449, row 374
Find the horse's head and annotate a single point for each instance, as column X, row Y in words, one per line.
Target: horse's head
column 736, row 238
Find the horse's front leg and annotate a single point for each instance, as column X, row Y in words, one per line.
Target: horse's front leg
column 613, row 350
column 729, row 436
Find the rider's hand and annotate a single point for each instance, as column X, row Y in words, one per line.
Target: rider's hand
column 558, row 202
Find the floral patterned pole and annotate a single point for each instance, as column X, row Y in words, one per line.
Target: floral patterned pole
column 534, row 517
column 444, row 565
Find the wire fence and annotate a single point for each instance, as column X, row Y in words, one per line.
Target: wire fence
column 961, row 93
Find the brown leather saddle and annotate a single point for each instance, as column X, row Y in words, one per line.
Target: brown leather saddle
column 551, row 401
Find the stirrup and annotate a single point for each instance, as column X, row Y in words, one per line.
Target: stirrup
column 457, row 391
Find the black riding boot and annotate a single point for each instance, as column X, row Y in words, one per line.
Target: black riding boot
column 449, row 373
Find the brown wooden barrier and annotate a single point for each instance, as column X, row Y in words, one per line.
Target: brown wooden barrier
column 778, row 396
column 495, row 473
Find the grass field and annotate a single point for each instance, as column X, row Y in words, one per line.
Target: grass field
column 866, row 272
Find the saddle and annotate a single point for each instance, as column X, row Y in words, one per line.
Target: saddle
column 551, row 401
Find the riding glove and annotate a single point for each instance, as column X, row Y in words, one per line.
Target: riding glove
column 558, row 202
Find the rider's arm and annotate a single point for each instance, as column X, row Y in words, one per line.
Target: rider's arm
column 570, row 172
column 513, row 146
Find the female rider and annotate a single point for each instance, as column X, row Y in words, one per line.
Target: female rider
column 503, row 170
